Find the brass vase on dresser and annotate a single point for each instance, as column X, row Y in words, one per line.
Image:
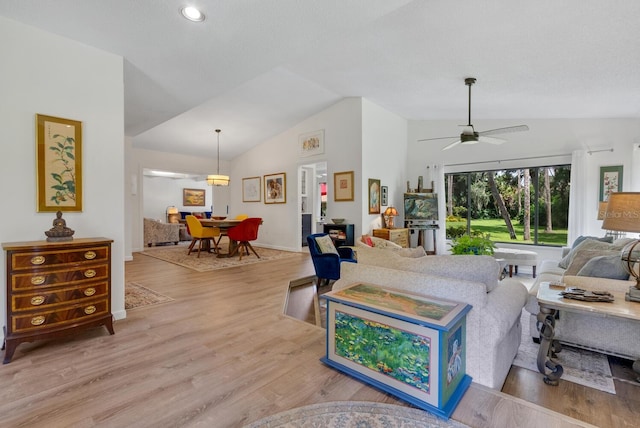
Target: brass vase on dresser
column 56, row 289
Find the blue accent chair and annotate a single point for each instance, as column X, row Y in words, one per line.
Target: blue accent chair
column 327, row 265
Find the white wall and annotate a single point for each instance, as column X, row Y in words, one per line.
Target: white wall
column 42, row 73
column 135, row 192
column 384, row 154
column 281, row 227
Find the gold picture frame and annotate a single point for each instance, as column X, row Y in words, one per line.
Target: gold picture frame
column 58, row 164
column 374, row 196
column 343, row 186
column 193, row 197
column 275, row 188
column 251, row 189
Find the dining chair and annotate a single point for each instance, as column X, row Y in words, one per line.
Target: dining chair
column 199, row 233
column 244, row 233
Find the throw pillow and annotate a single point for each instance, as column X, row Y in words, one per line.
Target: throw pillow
column 325, row 244
column 579, row 239
column 586, row 244
column 582, row 257
column 605, row 267
column 367, row 240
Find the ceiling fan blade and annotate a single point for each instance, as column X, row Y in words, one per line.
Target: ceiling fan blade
column 491, row 140
column 505, row 130
column 438, row 138
column 455, row 143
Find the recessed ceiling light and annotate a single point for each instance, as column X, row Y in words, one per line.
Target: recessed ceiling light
column 192, row 14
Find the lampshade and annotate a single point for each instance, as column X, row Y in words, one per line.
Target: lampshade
column 391, row 211
column 217, row 179
column 602, row 209
column 172, row 210
column 623, row 212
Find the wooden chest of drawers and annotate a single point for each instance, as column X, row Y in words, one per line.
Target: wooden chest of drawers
column 400, row 236
column 56, row 289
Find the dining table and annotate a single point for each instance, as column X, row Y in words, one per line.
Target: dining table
column 223, row 225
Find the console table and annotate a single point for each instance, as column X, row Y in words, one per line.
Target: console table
column 551, row 301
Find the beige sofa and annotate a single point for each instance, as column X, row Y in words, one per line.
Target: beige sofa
column 613, row 336
column 493, row 324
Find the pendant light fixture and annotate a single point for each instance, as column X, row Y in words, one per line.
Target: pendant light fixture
column 217, row 179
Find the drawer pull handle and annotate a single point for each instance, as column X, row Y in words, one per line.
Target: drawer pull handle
column 37, row 280
column 39, row 320
column 90, row 291
column 90, row 273
column 37, row 300
column 89, row 310
column 90, row 255
column 37, row 260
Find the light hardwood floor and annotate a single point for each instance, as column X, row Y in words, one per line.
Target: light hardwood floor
column 221, row 354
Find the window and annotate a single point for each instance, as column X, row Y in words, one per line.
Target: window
column 525, row 206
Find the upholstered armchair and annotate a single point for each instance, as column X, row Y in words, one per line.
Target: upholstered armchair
column 157, row 232
column 326, row 258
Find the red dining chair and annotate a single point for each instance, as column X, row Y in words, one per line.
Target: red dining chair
column 244, row 233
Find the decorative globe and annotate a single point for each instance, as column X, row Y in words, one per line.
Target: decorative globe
column 631, row 259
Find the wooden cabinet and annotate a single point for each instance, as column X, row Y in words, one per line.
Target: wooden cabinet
column 56, row 289
column 342, row 234
column 400, row 236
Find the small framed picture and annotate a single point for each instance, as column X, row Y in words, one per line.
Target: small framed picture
column 193, row 197
column 374, row 196
column 383, row 196
column 610, row 181
column 312, row 143
column 275, row 188
column 343, row 186
column 251, row 189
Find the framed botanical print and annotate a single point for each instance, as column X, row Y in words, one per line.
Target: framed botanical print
column 312, row 143
column 59, row 164
column 374, row 196
column 251, row 189
column 275, row 188
column 610, row 181
column 343, row 186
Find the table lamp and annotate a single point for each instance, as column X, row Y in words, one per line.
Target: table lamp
column 389, row 214
column 623, row 215
column 172, row 213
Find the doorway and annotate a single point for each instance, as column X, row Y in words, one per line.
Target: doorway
column 312, row 197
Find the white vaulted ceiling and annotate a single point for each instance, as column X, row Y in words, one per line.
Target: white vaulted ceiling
column 255, row 68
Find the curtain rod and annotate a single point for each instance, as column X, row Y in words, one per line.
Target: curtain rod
column 508, row 160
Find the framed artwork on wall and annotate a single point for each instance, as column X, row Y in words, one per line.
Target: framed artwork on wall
column 374, row 196
column 384, row 198
column 610, row 181
column 343, row 186
column 193, row 197
column 311, row 144
column 275, row 188
column 59, row 164
column 251, row 189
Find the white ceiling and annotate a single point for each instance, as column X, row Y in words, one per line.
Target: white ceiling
column 256, row 68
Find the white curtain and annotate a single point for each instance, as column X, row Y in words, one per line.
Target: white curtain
column 439, row 187
column 577, row 206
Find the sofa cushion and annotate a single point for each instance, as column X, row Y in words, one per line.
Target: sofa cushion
column 591, row 244
column 325, row 244
column 411, row 252
column 582, row 257
column 605, row 267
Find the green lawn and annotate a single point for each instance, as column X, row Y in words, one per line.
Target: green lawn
column 498, row 231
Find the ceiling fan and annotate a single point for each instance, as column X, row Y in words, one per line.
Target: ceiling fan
column 469, row 134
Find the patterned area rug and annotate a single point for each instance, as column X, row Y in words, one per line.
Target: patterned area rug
column 136, row 296
column 209, row 261
column 580, row 366
column 355, row 414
